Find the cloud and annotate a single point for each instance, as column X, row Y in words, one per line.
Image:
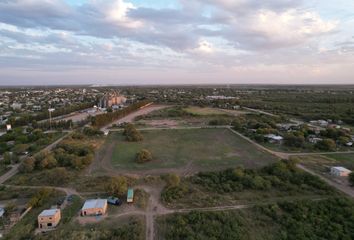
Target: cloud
column 260, row 30
column 197, row 35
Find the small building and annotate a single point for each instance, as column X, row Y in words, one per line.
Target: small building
column 272, row 138
column 340, row 171
column 130, row 195
column 49, row 219
column 94, row 207
column 16, row 106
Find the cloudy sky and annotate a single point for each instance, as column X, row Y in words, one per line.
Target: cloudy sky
column 176, row 41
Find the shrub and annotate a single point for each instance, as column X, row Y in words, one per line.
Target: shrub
column 143, row 156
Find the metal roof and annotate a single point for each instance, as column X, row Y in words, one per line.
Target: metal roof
column 94, row 203
column 130, row 193
column 342, row 169
column 48, row 213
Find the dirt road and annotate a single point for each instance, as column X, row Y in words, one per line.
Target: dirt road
column 132, row 116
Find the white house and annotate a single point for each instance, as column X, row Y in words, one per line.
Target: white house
column 340, row 171
column 274, row 138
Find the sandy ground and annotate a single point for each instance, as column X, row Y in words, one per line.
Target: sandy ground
column 132, row 116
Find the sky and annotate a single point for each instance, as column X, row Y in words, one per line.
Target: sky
column 132, row 42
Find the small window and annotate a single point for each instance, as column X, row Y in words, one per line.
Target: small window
column 49, row 224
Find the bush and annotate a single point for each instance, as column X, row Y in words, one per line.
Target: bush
column 132, row 134
column 326, row 145
column 117, row 186
column 351, row 178
column 172, row 180
column 27, row 165
column 143, row 156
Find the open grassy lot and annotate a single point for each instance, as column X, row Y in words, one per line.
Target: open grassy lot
column 199, row 148
column 204, row 111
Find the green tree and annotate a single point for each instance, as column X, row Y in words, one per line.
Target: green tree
column 143, row 156
column 173, row 180
column 27, row 165
column 7, row 158
column 351, row 178
column 117, row 186
column 326, row 145
column 132, row 134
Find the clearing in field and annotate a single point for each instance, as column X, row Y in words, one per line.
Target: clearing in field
column 182, row 151
column 211, row 111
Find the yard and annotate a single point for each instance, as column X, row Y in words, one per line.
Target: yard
column 184, row 149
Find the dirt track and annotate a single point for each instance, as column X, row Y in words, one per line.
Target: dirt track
column 132, row 116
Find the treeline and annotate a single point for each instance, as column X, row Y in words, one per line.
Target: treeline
column 29, row 118
column 107, row 118
column 327, row 219
column 307, row 106
column 297, row 220
column 59, row 125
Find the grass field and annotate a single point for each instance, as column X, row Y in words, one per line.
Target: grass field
column 202, row 148
column 204, row 111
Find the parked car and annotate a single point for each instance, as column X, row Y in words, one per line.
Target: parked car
column 114, row 201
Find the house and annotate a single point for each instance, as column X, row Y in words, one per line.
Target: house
column 340, row 171
column 313, row 139
column 288, row 126
column 94, row 207
column 272, row 138
column 130, row 195
column 49, row 219
column 36, row 108
column 16, row 106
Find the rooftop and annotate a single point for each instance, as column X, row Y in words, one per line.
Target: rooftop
column 94, row 203
column 49, row 212
column 341, row 169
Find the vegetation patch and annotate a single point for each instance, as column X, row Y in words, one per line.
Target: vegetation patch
column 236, row 186
column 325, row 219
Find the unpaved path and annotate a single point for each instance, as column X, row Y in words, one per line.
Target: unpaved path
column 132, row 116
